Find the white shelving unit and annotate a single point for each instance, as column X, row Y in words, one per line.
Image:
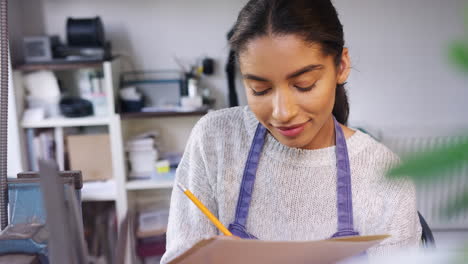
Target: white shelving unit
column 110, row 190
column 148, row 184
column 124, row 193
column 67, row 122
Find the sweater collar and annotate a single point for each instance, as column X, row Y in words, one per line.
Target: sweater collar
column 302, row 157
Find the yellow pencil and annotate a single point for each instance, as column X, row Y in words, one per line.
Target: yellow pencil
column 205, row 210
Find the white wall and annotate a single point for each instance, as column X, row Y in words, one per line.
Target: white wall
column 401, row 74
column 151, row 31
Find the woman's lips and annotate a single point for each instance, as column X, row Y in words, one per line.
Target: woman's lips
column 291, row 131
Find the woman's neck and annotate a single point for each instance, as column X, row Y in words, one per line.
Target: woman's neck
column 325, row 136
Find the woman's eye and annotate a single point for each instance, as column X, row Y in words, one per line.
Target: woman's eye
column 305, row 89
column 259, row 93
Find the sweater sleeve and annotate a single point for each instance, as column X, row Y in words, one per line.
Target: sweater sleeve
column 402, row 224
column 187, row 225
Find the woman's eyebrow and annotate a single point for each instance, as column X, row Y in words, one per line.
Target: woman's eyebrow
column 254, row 78
column 305, row 69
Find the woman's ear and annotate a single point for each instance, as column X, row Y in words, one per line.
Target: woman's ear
column 344, row 68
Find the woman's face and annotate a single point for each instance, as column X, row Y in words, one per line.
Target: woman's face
column 290, row 87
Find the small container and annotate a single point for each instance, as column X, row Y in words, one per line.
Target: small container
column 192, row 87
column 163, row 166
column 142, row 161
column 153, row 220
column 99, row 101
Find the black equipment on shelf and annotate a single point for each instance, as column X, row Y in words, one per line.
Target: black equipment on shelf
column 76, row 107
column 85, row 32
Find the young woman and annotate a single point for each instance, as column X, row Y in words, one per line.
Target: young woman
column 286, row 167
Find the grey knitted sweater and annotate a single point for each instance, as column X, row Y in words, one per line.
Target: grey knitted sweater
column 294, row 196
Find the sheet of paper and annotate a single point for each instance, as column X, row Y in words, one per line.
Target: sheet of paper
column 230, row 251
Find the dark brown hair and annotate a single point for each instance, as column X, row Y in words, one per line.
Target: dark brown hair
column 316, row 21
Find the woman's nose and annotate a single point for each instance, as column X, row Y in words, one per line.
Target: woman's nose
column 284, row 106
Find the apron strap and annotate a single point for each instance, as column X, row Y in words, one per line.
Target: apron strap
column 343, row 186
column 248, row 179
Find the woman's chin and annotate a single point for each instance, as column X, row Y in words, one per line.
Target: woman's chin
column 292, row 142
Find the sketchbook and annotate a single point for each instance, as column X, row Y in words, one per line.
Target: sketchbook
column 229, row 251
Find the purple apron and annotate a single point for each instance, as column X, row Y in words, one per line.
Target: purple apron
column 343, row 189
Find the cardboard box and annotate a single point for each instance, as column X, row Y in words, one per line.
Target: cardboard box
column 92, row 155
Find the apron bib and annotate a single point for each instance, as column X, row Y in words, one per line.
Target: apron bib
column 343, row 189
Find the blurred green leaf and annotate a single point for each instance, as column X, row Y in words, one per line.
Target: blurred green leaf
column 459, row 54
column 429, row 165
column 463, row 259
column 432, row 165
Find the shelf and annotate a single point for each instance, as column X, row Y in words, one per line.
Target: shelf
column 60, row 65
column 99, row 191
column 149, row 184
column 67, row 122
column 161, row 114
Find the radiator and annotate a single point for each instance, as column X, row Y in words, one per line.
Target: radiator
column 433, row 197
